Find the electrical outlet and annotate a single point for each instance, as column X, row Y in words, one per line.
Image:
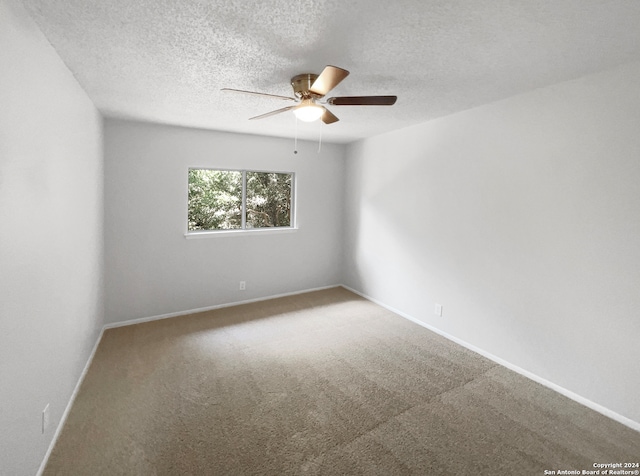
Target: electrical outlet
column 243, row 285
column 438, row 310
column 45, row 418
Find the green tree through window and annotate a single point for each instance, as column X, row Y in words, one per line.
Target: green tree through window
column 217, row 201
column 268, row 199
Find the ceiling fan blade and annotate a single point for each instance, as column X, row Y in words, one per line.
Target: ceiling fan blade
column 258, row 94
column 328, row 79
column 363, row 101
column 273, row 113
column 328, row 117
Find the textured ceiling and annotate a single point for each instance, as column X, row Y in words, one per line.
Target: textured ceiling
column 166, row 60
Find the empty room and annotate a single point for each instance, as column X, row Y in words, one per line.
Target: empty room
column 319, row 237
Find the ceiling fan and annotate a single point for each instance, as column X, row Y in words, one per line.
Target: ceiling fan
column 310, row 89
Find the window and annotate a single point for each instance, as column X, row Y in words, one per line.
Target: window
column 239, row 200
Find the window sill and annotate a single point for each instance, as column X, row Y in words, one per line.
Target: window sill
column 252, row 231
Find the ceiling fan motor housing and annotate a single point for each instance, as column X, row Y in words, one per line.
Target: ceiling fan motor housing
column 301, row 85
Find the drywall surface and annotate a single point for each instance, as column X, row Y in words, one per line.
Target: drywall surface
column 522, row 219
column 51, row 238
column 152, row 269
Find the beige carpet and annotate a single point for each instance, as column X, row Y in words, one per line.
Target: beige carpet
column 320, row 383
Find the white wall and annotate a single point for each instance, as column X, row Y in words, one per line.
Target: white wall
column 151, row 269
column 522, row 218
column 51, row 237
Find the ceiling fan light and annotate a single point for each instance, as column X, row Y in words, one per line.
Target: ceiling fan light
column 308, row 112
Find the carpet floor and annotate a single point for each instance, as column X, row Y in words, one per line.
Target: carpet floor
column 320, row 383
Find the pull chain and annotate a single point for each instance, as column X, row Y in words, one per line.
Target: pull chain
column 295, row 140
column 320, row 139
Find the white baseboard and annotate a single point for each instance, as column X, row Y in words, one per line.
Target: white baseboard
column 634, row 425
column 211, row 308
column 67, row 409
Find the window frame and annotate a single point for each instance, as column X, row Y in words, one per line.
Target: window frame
column 244, row 230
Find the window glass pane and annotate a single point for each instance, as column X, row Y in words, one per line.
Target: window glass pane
column 215, row 199
column 268, row 199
